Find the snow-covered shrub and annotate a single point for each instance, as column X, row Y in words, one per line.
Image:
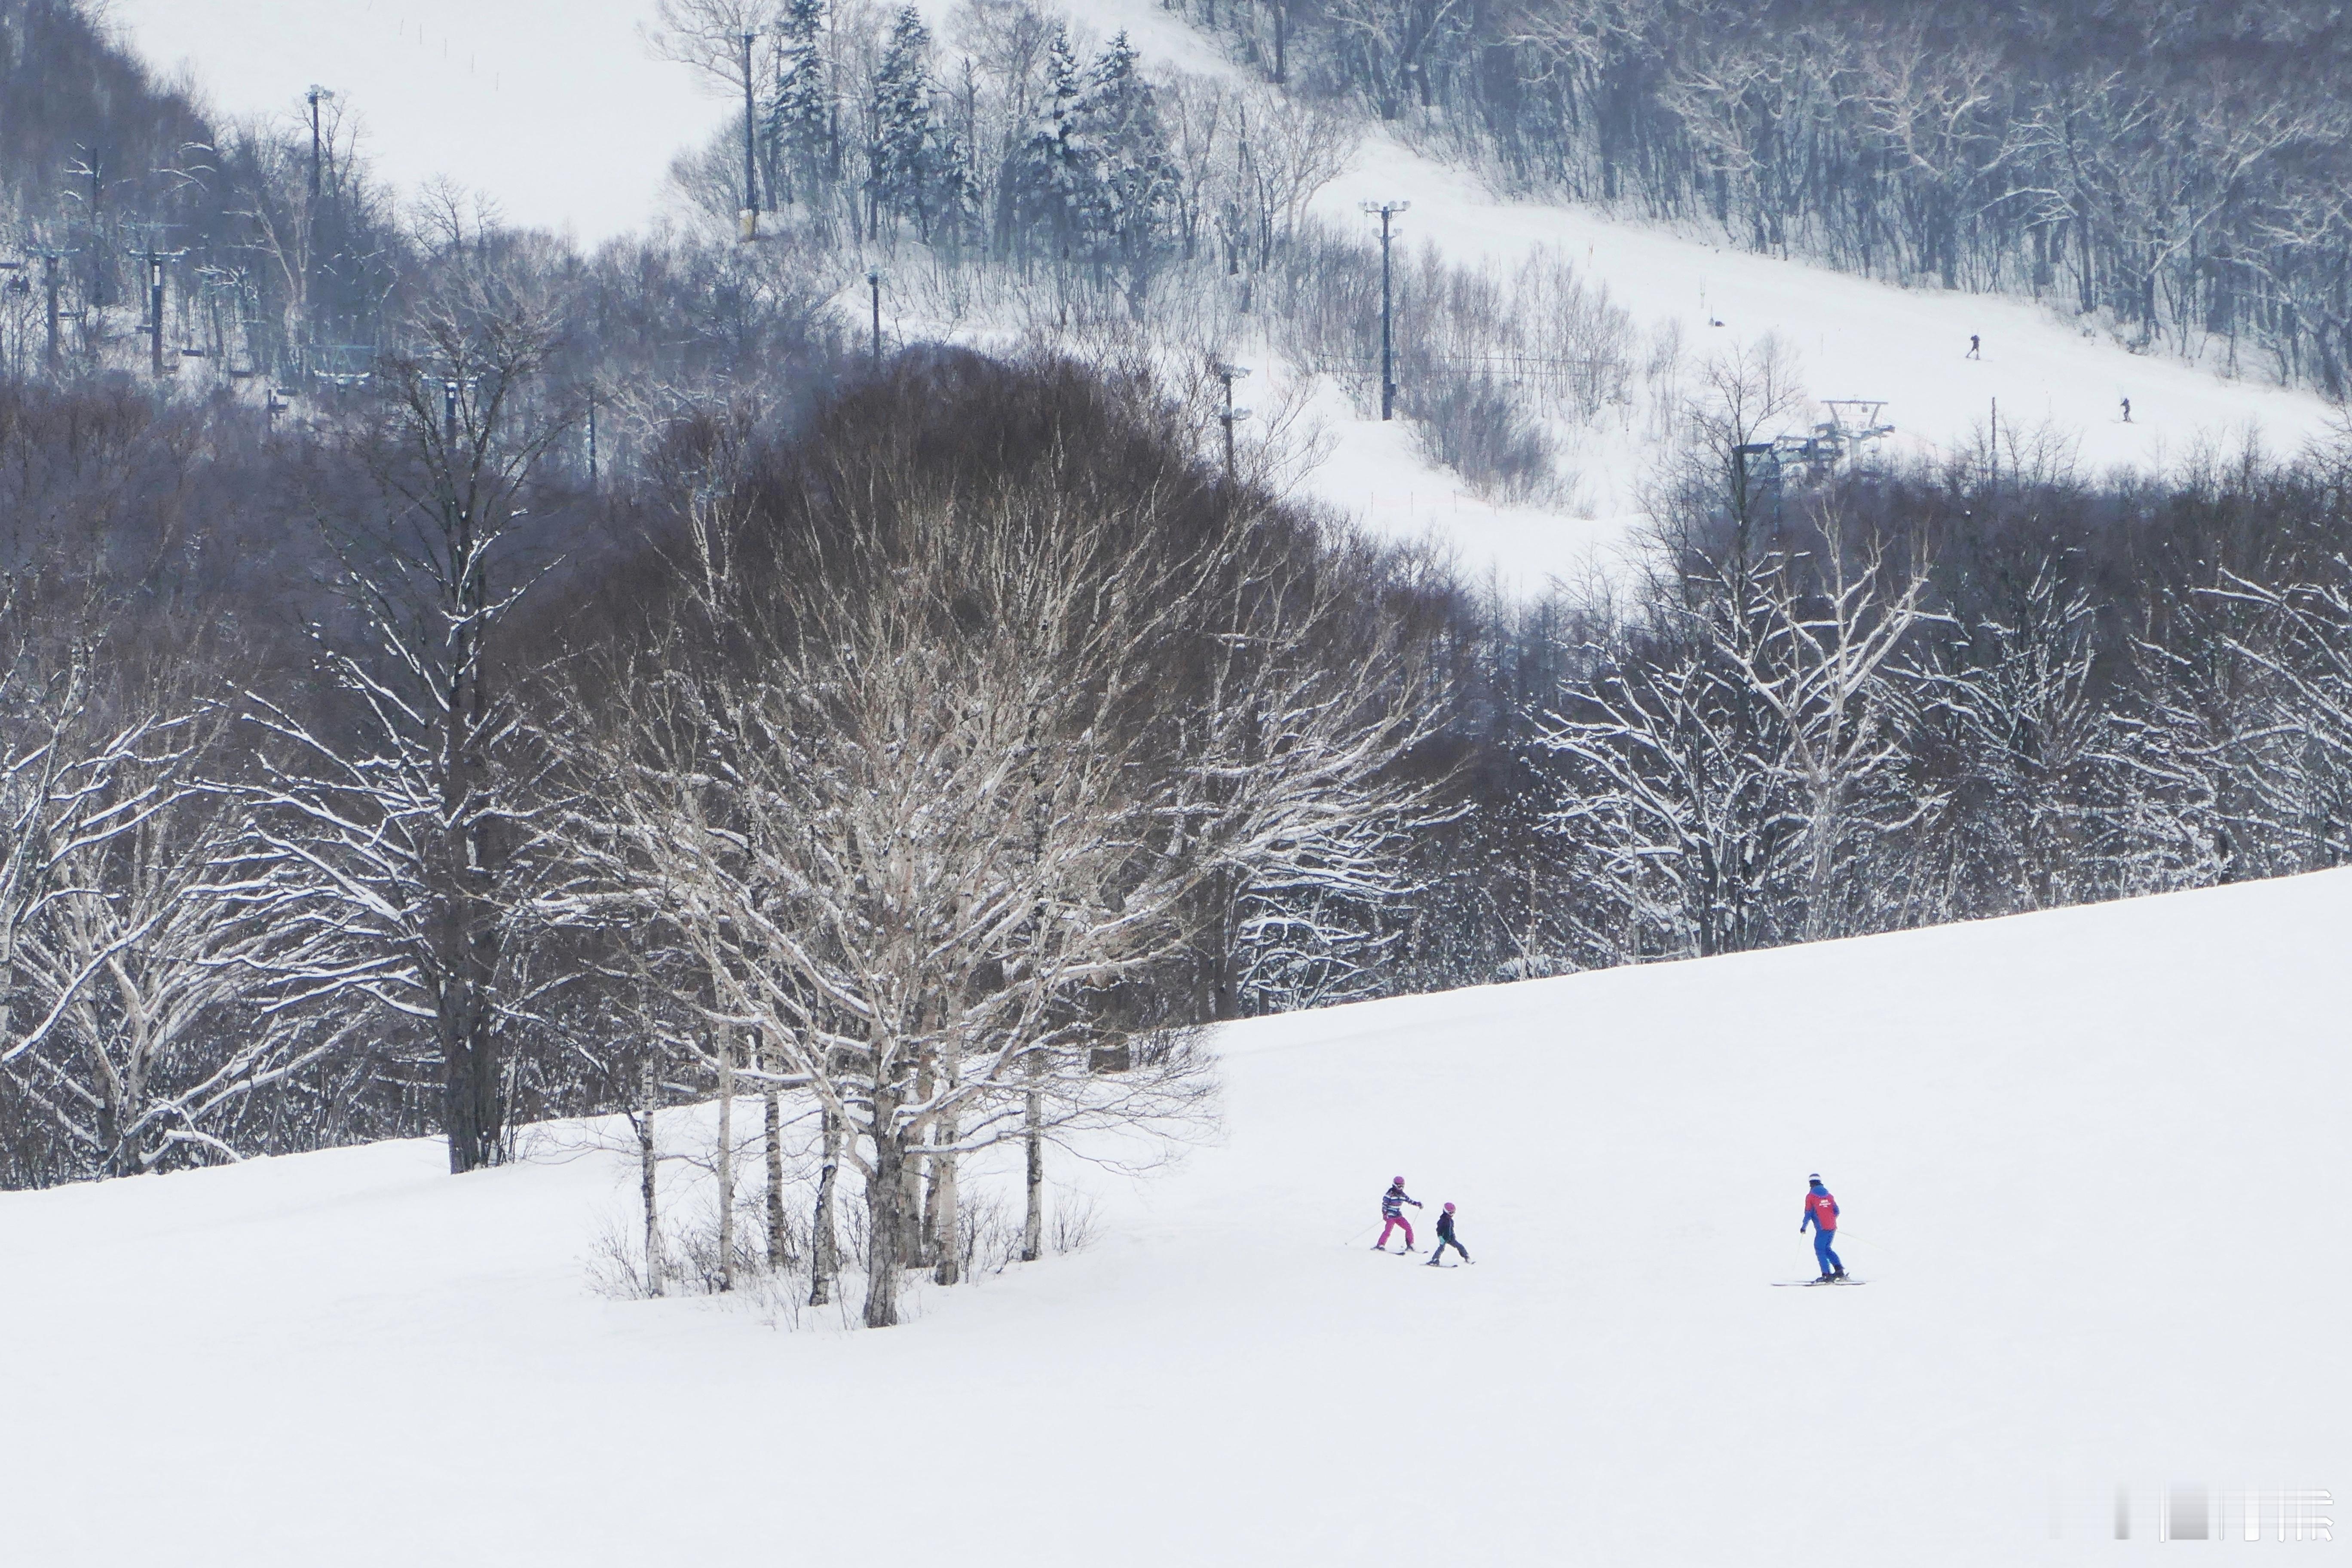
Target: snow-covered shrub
column 1483, row 429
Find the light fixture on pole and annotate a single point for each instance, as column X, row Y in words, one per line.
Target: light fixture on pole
column 316, row 95
column 1230, row 373
column 1386, row 211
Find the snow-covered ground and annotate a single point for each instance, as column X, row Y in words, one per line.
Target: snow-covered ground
column 555, row 109
column 2092, row 1164
column 2053, row 379
column 1850, row 338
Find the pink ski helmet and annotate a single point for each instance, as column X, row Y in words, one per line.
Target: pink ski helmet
column 1449, row 1208
column 1399, row 1182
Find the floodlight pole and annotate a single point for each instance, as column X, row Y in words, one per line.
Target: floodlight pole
column 314, row 95
column 1386, row 212
column 874, row 278
column 751, row 215
column 1992, row 452
column 1388, row 328
column 1230, row 373
column 155, row 259
column 49, row 282
column 155, row 313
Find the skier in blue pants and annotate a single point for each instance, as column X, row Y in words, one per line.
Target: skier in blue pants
column 1821, row 1214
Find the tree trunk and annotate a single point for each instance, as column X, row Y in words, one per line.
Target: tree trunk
column 885, row 1195
column 726, row 1160
column 467, row 956
column 1821, row 863
column 777, row 1247
column 916, row 1206
column 825, row 1256
column 1033, row 1217
column 945, row 1251
column 647, row 1161
column 1226, row 976
column 468, row 1080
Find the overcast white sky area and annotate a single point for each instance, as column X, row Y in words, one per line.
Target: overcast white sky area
column 552, row 107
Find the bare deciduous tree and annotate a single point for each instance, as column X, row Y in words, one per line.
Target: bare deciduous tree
column 401, row 833
column 922, row 821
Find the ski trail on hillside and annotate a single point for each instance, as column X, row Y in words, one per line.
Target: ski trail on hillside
column 2046, row 377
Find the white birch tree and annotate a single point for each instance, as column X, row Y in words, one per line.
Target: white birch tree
column 924, row 820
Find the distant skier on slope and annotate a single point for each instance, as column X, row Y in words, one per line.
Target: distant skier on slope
column 1976, row 346
column 1821, row 1214
column 2127, row 410
column 1445, row 1238
column 1392, row 1204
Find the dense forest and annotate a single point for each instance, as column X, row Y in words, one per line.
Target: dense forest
column 2178, row 170
column 475, row 681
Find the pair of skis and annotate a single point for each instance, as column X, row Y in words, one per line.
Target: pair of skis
column 1414, row 1252
column 1776, row 1284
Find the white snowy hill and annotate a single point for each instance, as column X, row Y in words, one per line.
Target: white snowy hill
column 555, row 109
column 2059, row 381
column 517, row 100
column 2044, row 380
column 2092, row 1164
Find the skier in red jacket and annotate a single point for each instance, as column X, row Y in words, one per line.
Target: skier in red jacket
column 1821, row 1214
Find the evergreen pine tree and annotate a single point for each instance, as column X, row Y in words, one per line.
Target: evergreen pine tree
column 913, row 158
column 1134, row 178
column 1056, row 168
column 800, row 114
column 954, row 192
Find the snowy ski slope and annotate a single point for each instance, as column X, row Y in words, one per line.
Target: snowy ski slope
column 2046, row 377
column 2052, row 380
column 2092, row 1165
column 574, row 124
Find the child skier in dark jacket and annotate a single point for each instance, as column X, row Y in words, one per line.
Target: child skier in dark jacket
column 1445, row 1238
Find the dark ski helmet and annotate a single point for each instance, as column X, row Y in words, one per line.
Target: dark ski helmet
column 1814, row 1177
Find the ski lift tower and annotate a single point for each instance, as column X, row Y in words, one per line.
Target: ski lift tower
column 155, row 257
column 1852, row 422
